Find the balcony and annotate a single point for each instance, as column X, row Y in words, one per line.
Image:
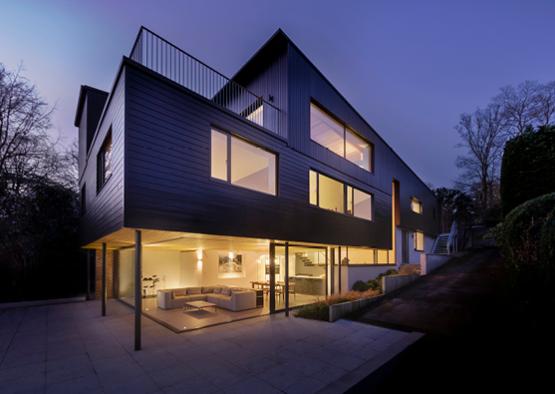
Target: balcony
column 164, row 58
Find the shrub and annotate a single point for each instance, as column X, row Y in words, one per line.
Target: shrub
column 360, row 286
column 527, row 167
column 527, row 240
column 522, row 229
column 316, row 311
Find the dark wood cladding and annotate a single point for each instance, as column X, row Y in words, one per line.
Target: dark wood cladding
column 104, row 212
column 168, row 184
column 161, row 161
column 306, row 83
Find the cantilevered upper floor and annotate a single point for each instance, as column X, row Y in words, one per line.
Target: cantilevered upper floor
column 274, row 152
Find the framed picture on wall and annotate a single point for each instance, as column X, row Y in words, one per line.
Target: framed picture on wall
column 230, row 267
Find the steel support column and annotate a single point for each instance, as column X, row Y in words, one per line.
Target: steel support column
column 138, row 289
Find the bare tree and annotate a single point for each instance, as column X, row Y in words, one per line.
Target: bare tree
column 519, row 106
column 25, row 152
column 545, row 104
column 482, row 135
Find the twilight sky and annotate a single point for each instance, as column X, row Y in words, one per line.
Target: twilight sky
column 409, row 67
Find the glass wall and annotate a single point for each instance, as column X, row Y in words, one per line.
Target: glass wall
column 126, row 275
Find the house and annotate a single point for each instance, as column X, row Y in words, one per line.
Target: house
column 206, row 198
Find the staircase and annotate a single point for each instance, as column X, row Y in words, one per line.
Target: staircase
column 440, row 245
column 447, row 243
column 304, row 259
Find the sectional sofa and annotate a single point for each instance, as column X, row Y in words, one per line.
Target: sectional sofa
column 230, row 298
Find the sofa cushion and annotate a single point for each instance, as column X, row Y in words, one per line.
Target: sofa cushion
column 179, row 293
column 193, row 290
column 206, row 290
column 226, row 291
column 217, row 290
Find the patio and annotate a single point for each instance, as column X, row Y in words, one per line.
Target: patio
column 71, row 348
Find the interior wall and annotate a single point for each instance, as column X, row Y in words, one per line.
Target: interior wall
column 126, row 268
column 253, row 269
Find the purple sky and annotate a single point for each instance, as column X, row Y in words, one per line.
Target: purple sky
column 409, row 67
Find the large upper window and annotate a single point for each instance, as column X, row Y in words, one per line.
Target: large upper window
column 328, row 193
column 248, row 166
column 104, row 162
column 332, row 134
column 416, row 205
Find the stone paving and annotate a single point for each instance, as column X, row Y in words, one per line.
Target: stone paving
column 70, row 348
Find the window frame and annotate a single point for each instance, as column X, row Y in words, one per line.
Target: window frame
column 414, row 199
column 101, row 178
column 415, row 240
column 345, row 127
column 227, row 181
column 346, row 187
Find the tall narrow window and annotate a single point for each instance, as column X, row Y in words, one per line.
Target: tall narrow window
column 218, row 155
column 362, row 204
column 313, row 187
column 104, row 162
column 416, row 205
column 419, row 241
column 249, row 166
column 326, row 131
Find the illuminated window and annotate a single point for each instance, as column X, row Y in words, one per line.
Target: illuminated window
column 104, row 162
column 357, row 150
column 419, row 241
column 332, row 134
column 382, row 256
column 326, row 131
column 328, row 193
column 416, row 205
column 360, row 256
column 218, row 156
column 250, row 166
column 313, row 185
column 362, row 204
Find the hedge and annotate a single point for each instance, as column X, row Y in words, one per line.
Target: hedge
column 528, row 168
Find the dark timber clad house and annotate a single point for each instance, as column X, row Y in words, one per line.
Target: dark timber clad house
column 251, row 194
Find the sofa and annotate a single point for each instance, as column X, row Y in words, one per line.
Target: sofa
column 230, row 298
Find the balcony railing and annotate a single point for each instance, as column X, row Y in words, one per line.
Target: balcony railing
column 161, row 56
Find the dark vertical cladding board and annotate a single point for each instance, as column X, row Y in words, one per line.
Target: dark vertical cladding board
column 104, row 213
column 83, row 131
column 306, row 83
column 168, row 184
column 266, row 76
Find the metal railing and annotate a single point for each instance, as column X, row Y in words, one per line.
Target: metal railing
column 163, row 57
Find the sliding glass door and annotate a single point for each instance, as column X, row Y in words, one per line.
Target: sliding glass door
column 300, row 275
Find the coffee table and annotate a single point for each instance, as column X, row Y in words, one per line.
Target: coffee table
column 198, row 305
